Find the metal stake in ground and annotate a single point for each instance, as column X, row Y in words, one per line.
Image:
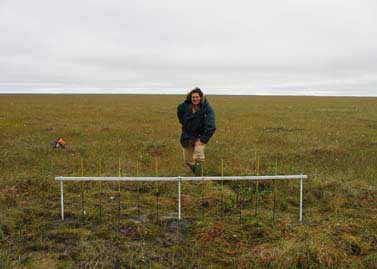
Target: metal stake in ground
column 240, row 201
column 119, row 203
column 257, row 189
column 301, row 188
column 138, row 190
column 201, row 192
column 179, row 198
column 222, row 189
column 62, row 198
column 274, row 190
column 82, row 189
column 157, row 188
column 100, row 189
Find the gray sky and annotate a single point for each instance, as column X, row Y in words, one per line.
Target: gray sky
column 310, row 47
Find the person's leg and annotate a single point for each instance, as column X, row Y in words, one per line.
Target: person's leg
column 198, row 157
column 188, row 156
column 198, row 154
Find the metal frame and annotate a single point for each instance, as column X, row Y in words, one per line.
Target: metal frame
column 179, row 180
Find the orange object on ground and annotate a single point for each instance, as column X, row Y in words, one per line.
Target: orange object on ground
column 61, row 141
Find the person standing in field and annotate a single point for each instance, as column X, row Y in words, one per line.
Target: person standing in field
column 198, row 125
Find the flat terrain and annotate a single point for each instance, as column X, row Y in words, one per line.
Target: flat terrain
column 132, row 225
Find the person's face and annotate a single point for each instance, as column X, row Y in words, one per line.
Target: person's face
column 195, row 98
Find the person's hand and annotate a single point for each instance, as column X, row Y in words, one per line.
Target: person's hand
column 198, row 143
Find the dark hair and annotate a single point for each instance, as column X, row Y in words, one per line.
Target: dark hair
column 195, row 90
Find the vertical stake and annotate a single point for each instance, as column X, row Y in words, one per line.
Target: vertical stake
column 201, row 192
column 249, row 182
column 257, row 189
column 157, row 187
column 274, row 190
column 119, row 168
column 202, row 168
column 222, row 189
column 179, row 198
column 119, row 175
column 62, row 198
column 255, row 172
column 240, row 201
column 138, row 189
column 301, row 188
column 82, row 189
column 100, row 189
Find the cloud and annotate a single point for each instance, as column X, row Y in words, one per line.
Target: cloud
column 220, row 45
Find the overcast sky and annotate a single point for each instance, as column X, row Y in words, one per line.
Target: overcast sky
column 310, row 47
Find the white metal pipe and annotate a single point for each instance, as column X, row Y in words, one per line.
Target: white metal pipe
column 180, row 178
column 179, row 199
column 301, row 187
column 62, row 198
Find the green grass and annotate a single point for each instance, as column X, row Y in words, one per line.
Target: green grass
column 332, row 140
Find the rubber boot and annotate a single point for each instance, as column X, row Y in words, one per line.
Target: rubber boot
column 198, row 168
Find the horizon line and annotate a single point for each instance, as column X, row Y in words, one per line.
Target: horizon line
column 184, row 94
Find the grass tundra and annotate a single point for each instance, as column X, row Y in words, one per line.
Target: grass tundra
column 332, row 140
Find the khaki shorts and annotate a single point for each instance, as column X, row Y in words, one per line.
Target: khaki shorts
column 193, row 153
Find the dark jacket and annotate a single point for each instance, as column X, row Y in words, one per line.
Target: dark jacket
column 199, row 125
